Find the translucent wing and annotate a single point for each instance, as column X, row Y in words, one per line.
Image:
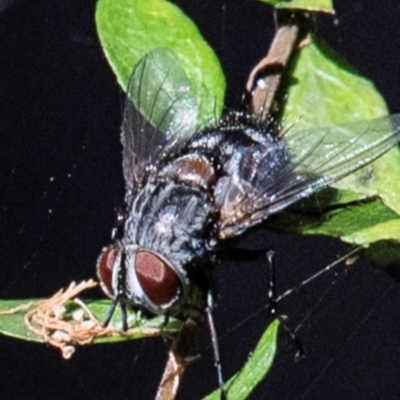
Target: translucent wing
column 306, row 162
column 160, row 113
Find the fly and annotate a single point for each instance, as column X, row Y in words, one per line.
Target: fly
column 187, row 191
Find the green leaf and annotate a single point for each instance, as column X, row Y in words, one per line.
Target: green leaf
column 323, row 91
column 136, row 322
column 128, row 29
column 388, row 230
column 351, row 222
column 13, row 325
column 305, row 5
column 245, row 381
column 385, row 253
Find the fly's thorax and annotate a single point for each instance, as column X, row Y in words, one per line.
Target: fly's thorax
column 172, row 219
column 192, row 169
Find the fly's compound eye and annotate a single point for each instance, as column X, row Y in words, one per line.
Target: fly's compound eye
column 107, row 261
column 159, row 281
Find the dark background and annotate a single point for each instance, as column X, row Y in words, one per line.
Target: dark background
column 61, row 181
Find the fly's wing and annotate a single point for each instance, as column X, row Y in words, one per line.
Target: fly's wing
column 160, row 114
column 315, row 158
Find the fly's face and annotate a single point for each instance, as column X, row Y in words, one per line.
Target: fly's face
column 140, row 277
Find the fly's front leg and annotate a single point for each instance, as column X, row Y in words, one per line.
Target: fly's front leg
column 118, row 300
column 120, row 296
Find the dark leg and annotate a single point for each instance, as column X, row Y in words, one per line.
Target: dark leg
column 214, row 340
column 124, row 316
column 273, row 305
column 110, row 311
column 119, row 298
column 165, row 322
column 271, row 282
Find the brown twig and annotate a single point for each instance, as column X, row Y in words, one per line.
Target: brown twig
column 266, row 76
column 47, row 320
column 178, row 359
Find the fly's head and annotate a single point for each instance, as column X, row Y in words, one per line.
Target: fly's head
column 141, row 278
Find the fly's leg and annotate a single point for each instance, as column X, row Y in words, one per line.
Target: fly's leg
column 273, row 305
column 213, row 331
column 271, row 282
column 124, row 316
column 110, row 311
column 119, row 298
column 214, row 340
column 165, row 322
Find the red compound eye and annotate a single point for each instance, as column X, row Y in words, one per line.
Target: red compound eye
column 159, row 281
column 105, row 265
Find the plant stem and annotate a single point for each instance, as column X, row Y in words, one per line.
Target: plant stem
column 265, row 78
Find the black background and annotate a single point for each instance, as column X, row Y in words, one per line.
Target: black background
column 61, row 178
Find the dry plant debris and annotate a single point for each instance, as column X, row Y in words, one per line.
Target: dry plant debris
column 47, row 320
column 57, row 326
column 178, row 359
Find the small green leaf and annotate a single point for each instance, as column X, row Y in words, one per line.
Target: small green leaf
column 387, row 230
column 358, row 223
column 13, row 325
column 271, row 2
column 346, row 221
column 325, row 91
column 305, row 5
column 385, row 253
column 128, row 29
column 254, row 371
